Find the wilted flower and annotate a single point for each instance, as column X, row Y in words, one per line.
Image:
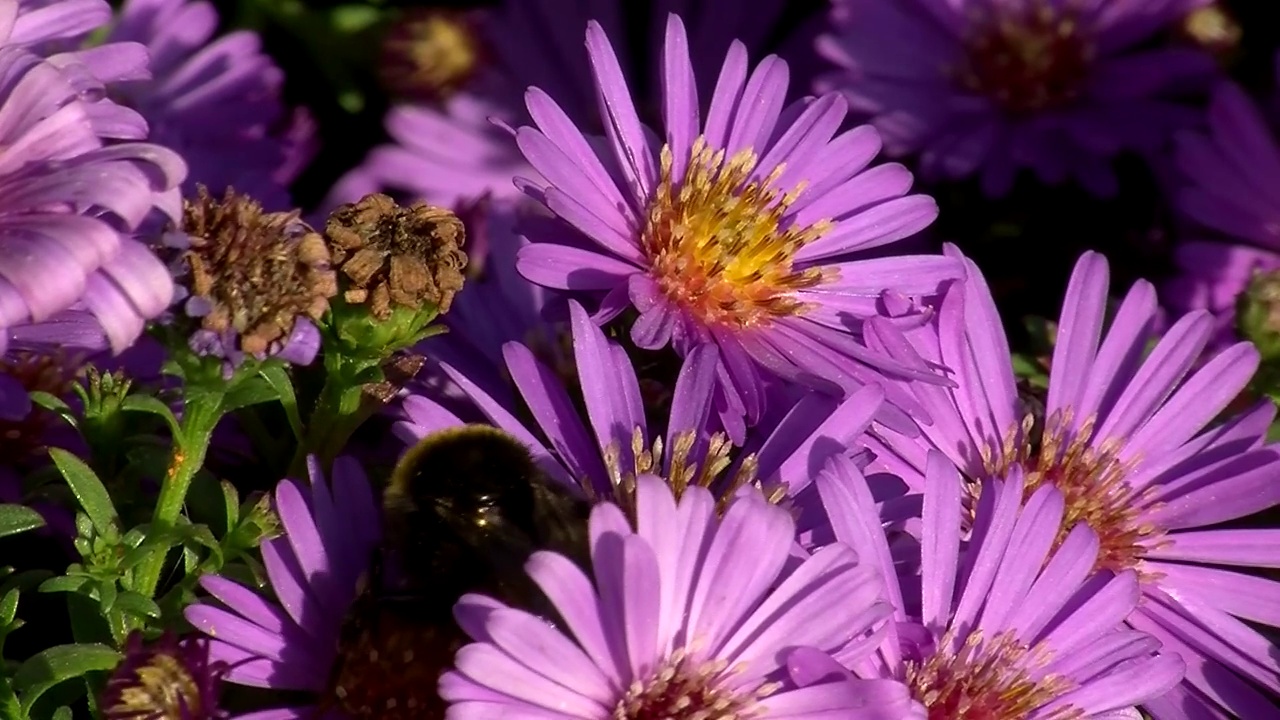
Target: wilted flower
column 1012, row 624
column 990, row 87
column 257, row 280
column 1128, row 437
column 742, row 232
column 683, row 615
column 291, row 642
column 68, row 205
column 216, row 101
column 170, row 679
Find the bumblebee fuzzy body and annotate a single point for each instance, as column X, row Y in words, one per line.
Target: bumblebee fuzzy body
column 462, row 512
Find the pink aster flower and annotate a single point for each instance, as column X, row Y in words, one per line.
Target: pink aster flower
column 742, row 231
column 686, row 614
column 1011, row 622
column 990, row 87
column 1132, row 440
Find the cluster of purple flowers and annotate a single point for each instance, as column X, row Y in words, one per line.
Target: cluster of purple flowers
column 821, row 485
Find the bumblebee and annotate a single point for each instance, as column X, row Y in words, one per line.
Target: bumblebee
column 462, row 512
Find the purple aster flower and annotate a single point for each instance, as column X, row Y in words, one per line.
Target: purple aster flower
column 170, row 679
column 990, row 87
column 58, row 30
column 1010, row 623
column 68, row 205
column 1229, row 176
column 742, row 232
column 617, row 444
column 1128, row 438
column 216, row 101
column 687, row 615
column 291, row 642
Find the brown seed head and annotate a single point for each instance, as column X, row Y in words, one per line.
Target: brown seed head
column 397, row 256
column 259, row 271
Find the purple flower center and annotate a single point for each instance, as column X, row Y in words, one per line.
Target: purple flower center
column 53, row 374
column 430, row 53
column 388, row 666
column 684, row 688
column 1027, row 56
column 1092, row 479
column 979, row 680
column 719, row 244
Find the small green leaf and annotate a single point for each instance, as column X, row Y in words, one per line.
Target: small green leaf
column 107, row 594
column 62, row 662
column 65, row 583
column 250, row 391
column 62, row 713
column 9, row 607
column 88, row 489
column 50, row 402
column 152, row 406
column 134, row 604
column 232, row 500
column 279, row 380
column 18, row 518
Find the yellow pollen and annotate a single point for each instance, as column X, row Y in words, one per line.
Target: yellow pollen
column 1092, row 480
column 685, row 472
column 1027, row 56
column 719, row 245
column 431, row 53
column 682, row 688
column 994, row 680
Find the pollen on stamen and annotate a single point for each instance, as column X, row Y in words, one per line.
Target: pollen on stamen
column 981, row 679
column 683, row 687
column 1092, row 478
column 684, row 470
column 720, row 245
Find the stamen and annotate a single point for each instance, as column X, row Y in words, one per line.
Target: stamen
column 429, row 54
column 720, row 245
column 686, row 688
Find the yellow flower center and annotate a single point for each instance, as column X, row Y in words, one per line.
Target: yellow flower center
column 1092, row 480
column 163, row 689
column 719, row 245
column 431, row 53
column 1028, row 56
column 980, row 680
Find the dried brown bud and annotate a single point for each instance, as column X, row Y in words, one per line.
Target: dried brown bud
column 391, row 255
column 257, row 271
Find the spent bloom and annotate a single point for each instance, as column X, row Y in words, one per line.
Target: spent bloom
column 617, row 443
column 256, row 281
column 70, row 204
column 990, row 87
column 1130, row 439
column 742, row 232
column 291, row 642
column 169, row 679
column 1008, row 622
column 215, row 101
column 686, row 614
column 1228, row 176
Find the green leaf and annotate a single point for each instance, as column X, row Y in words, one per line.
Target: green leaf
column 250, row 391
column 152, row 406
column 8, row 607
column 62, row 713
column 56, row 664
column 279, row 380
column 134, row 604
column 65, row 583
column 347, row 19
column 88, row 489
column 232, row 500
column 50, row 402
column 18, row 518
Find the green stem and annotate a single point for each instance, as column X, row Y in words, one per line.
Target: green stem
column 200, row 415
column 340, row 410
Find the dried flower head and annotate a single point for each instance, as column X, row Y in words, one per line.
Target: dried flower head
column 170, row 679
column 391, row 255
column 253, row 273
